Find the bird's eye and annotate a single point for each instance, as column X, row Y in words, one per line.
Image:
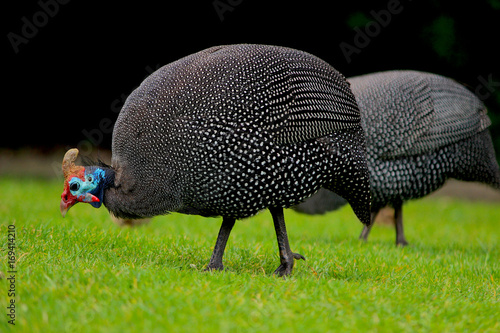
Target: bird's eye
column 74, row 187
column 90, row 178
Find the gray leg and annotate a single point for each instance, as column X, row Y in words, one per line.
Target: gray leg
column 366, row 230
column 286, row 255
column 398, row 221
column 220, row 245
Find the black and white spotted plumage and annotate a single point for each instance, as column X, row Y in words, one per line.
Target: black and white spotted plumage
column 232, row 130
column 421, row 129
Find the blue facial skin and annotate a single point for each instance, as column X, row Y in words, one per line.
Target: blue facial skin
column 94, row 183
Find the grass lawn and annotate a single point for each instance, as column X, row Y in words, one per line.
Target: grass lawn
column 85, row 274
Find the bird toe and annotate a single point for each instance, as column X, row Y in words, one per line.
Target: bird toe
column 298, row 256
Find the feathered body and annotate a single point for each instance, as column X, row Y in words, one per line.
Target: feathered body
column 232, row 130
column 421, row 129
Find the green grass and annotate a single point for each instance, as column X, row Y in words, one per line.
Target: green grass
column 84, row 274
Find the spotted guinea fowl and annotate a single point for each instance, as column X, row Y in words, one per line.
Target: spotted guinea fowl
column 421, row 129
column 229, row 131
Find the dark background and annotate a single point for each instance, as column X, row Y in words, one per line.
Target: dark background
column 69, row 77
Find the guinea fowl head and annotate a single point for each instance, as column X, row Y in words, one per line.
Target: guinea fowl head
column 82, row 184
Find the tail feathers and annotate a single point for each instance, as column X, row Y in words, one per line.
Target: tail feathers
column 496, row 182
column 362, row 209
column 488, row 162
column 494, row 167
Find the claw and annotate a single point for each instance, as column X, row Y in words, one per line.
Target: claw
column 298, row 256
column 286, row 266
column 214, row 268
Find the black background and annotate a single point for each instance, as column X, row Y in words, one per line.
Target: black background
column 72, row 76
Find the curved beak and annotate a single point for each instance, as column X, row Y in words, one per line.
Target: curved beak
column 65, row 206
column 67, row 201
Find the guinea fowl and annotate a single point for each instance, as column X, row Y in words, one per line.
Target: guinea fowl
column 421, row 129
column 230, row 131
